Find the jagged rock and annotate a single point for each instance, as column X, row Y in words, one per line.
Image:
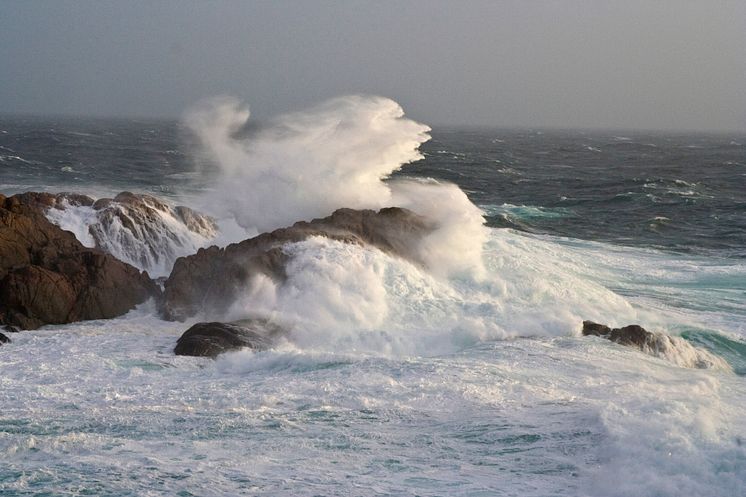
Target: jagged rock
column 674, row 349
column 147, row 232
column 211, row 279
column 138, row 211
column 591, row 328
column 44, row 200
column 211, row 339
column 632, row 335
column 48, row 277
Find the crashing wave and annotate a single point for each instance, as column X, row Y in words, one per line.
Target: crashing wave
column 138, row 229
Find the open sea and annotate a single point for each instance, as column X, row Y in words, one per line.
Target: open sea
column 401, row 381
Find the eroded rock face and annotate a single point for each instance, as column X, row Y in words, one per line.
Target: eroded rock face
column 48, row 277
column 674, row 349
column 211, row 279
column 140, row 211
column 138, row 229
column 212, row 339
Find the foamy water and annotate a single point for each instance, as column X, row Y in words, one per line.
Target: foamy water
column 412, row 384
column 463, row 375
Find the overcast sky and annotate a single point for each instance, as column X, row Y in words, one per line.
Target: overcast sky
column 566, row 63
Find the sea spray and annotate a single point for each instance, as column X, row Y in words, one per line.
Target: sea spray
column 337, row 154
column 140, row 230
column 304, row 164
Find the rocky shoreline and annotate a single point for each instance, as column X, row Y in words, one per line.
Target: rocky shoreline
column 48, row 277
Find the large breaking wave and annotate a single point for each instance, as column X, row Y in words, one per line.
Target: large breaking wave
column 476, row 284
column 337, row 154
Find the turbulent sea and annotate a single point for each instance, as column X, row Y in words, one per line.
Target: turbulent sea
column 399, row 380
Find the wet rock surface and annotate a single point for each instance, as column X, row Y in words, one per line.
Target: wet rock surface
column 48, row 277
column 136, row 228
column 210, row 280
column 671, row 348
column 214, row 338
column 632, row 335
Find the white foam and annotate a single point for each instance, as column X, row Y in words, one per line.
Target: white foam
column 151, row 243
column 531, row 417
column 304, row 164
column 340, row 296
column 76, row 219
column 337, row 154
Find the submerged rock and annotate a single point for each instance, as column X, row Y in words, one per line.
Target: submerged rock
column 211, row 280
column 48, row 277
column 674, row 349
column 212, row 339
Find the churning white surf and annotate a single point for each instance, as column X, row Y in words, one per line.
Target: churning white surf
column 307, row 164
column 105, row 404
column 304, row 164
column 149, row 242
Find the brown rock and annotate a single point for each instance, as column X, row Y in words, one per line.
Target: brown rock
column 211, row 279
column 48, row 277
column 138, row 223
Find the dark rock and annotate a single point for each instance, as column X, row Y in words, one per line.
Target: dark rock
column 591, row 328
column 11, row 329
column 4, row 339
column 211, row 279
column 48, row 277
column 632, row 335
column 671, row 348
column 211, row 339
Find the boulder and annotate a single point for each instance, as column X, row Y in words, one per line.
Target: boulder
column 632, row 335
column 671, row 348
column 210, row 280
column 211, row 339
column 4, row 339
column 48, row 277
column 591, row 328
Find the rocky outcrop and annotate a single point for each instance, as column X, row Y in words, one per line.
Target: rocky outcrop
column 143, row 213
column 138, row 229
column 212, row 279
column 212, row 339
column 43, row 200
column 632, row 335
column 48, row 277
column 674, row 349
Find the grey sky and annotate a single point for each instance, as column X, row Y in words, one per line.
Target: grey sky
column 569, row 63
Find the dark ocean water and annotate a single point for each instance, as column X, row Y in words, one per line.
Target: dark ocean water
column 680, row 192
column 677, row 192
